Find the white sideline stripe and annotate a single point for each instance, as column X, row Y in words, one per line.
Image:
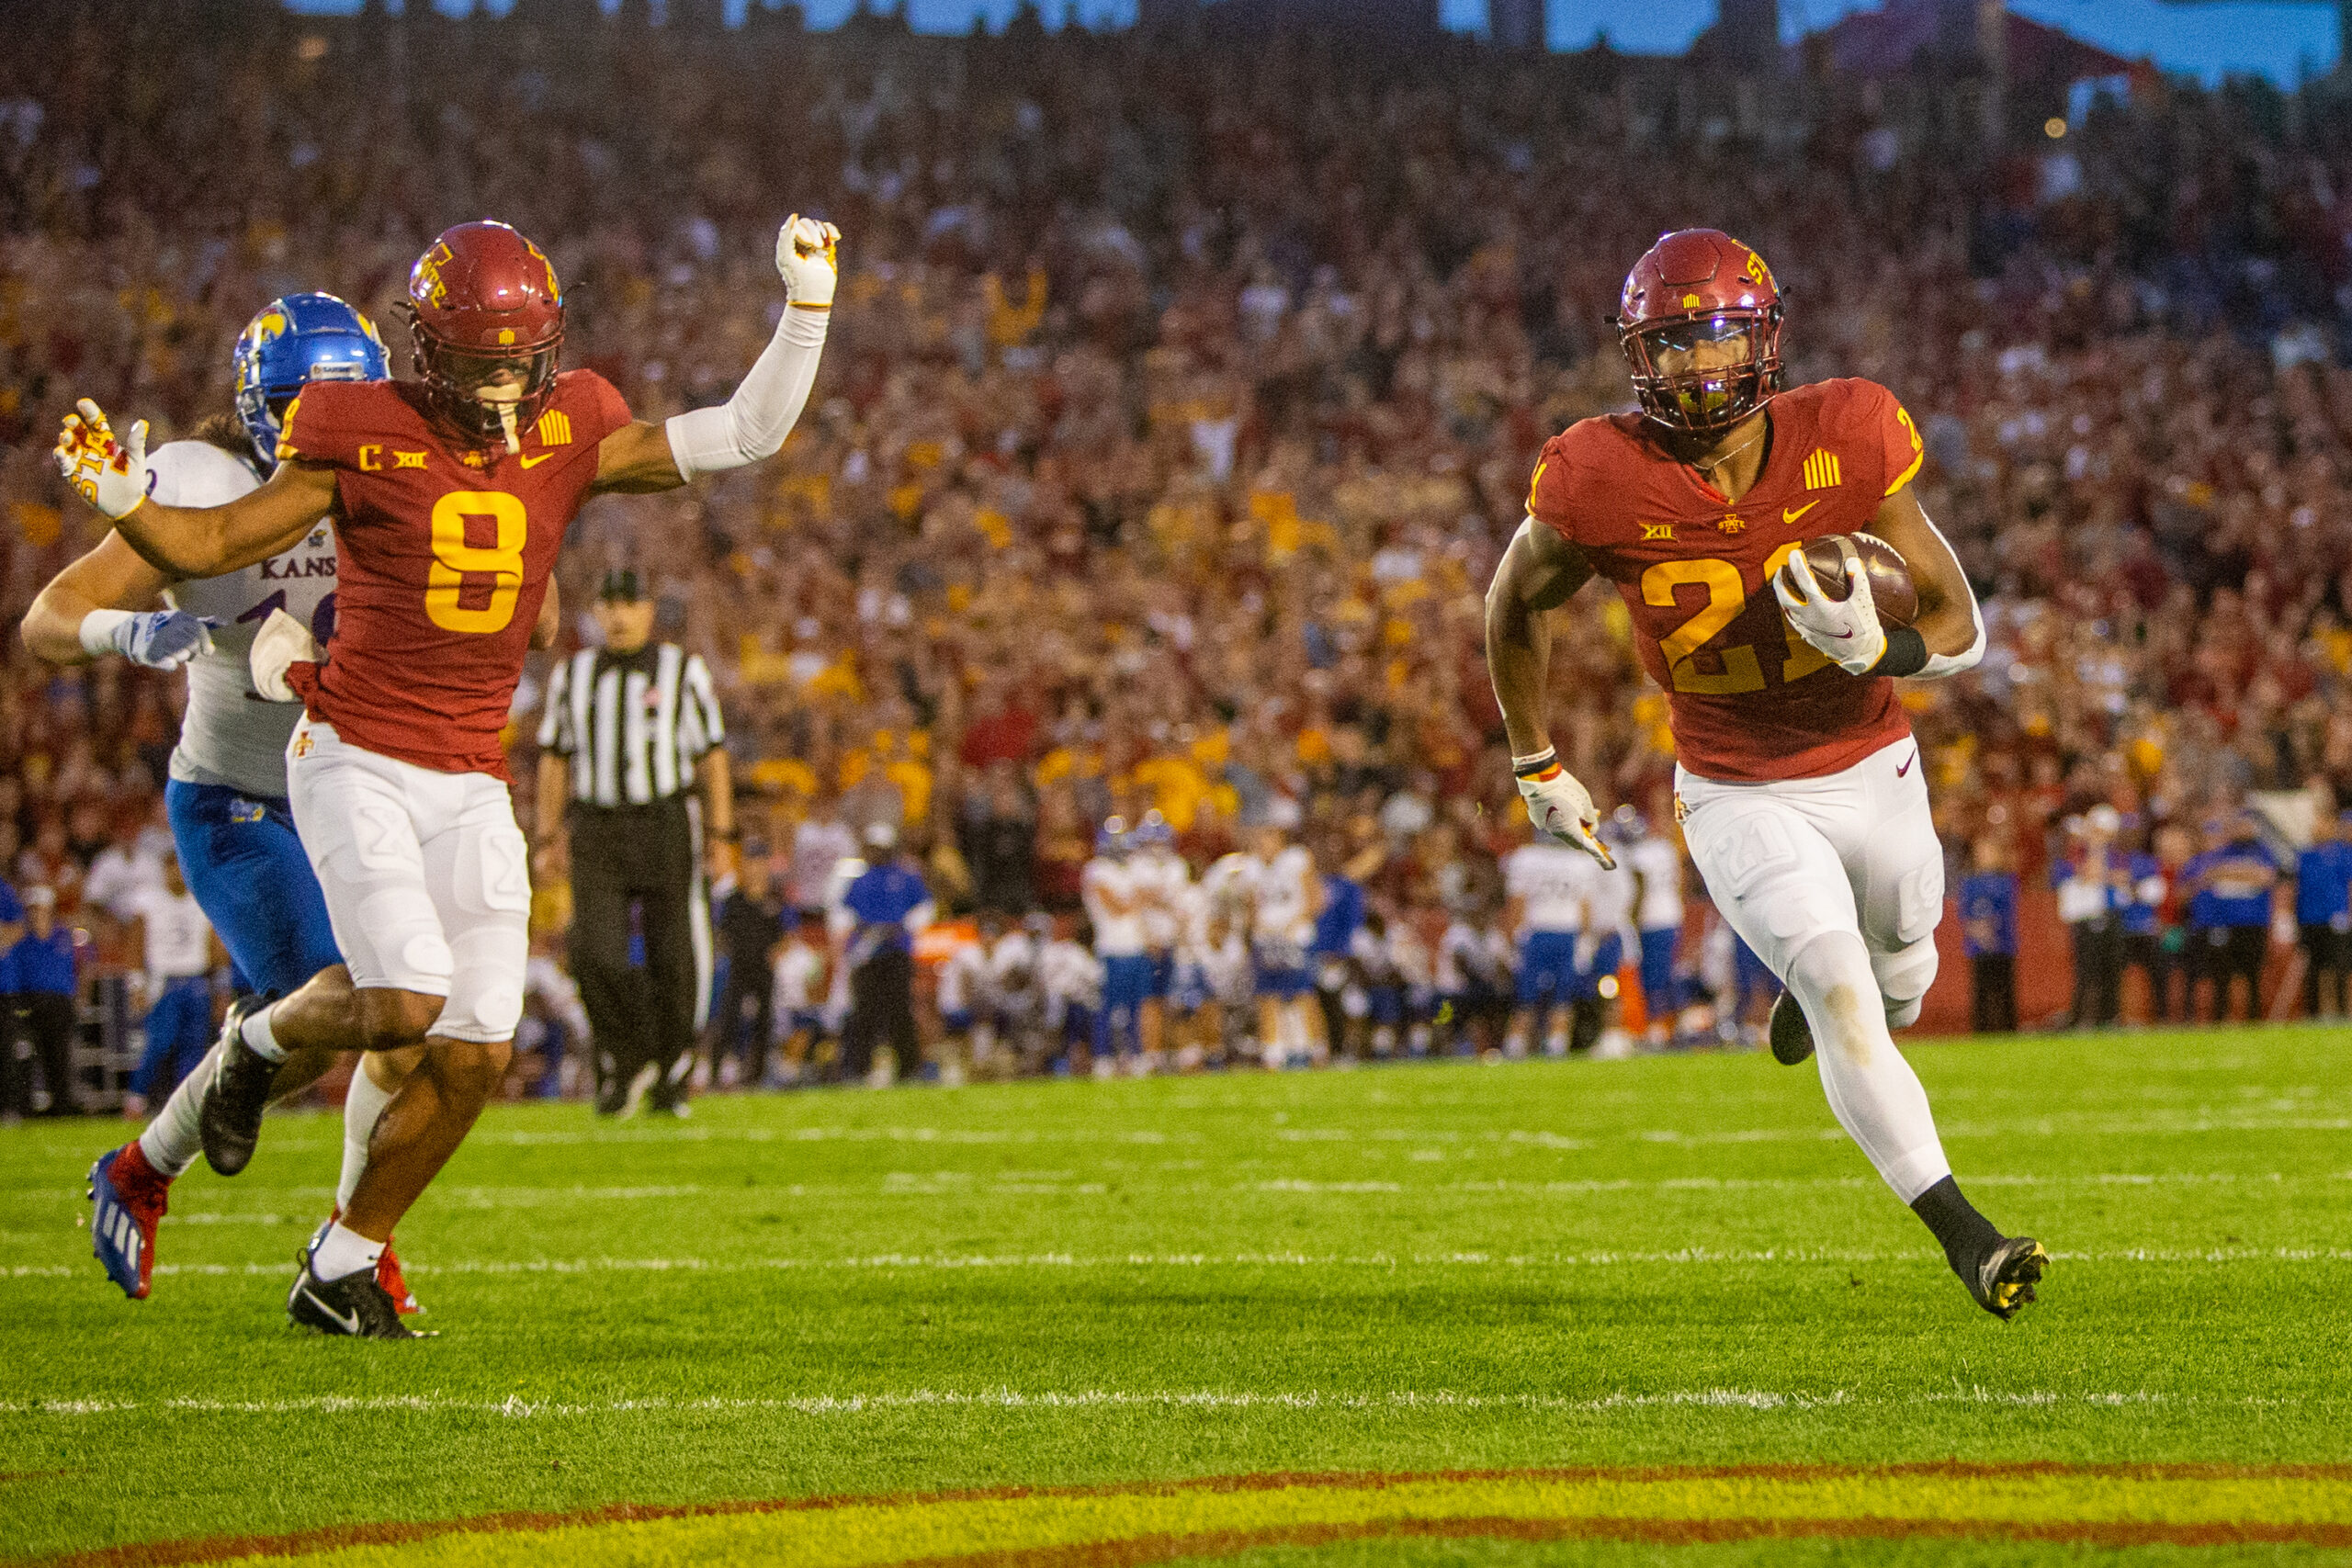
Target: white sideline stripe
column 1011, row 1184
column 2070, row 1124
column 1701, row 1256
column 516, row 1406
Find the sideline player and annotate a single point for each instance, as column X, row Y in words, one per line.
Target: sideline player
column 447, row 533
column 1114, row 898
column 226, row 796
column 1798, row 786
column 1543, row 881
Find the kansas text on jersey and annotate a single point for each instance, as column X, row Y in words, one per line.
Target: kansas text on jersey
column 233, row 735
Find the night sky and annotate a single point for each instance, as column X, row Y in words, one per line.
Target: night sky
column 2278, row 38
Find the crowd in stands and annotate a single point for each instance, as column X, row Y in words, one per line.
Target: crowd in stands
column 1177, row 408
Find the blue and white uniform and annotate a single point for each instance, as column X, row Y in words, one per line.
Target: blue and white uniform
column 227, row 792
column 1550, row 882
column 1281, row 926
column 1654, row 859
column 179, row 987
column 1115, row 906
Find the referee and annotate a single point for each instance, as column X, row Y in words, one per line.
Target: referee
column 629, row 728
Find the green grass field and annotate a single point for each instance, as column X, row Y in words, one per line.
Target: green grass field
column 1555, row 1312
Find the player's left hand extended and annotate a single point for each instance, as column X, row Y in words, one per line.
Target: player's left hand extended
column 110, row 475
column 1845, row 630
column 808, row 256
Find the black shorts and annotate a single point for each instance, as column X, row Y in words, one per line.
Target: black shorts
column 2325, row 947
column 2224, row 950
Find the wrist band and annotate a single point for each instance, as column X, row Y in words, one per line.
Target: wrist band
column 97, row 631
column 1544, row 761
column 1906, row 653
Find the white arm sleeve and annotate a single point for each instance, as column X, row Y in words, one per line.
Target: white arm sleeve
column 1938, row 665
column 754, row 423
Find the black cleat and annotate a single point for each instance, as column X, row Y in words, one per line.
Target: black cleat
column 2005, row 1279
column 355, row 1305
column 230, row 1118
column 1791, row 1035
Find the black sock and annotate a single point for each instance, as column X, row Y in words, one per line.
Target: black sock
column 1967, row 1236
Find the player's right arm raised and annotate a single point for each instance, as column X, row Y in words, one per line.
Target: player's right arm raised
column 1538, row 573
column 752, row 424
column 187, row 541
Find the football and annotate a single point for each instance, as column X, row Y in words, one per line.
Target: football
column 1891, row 587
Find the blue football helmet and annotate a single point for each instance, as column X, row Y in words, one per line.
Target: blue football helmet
column 1113, row 839
column 296, row 339
column 1153, row 832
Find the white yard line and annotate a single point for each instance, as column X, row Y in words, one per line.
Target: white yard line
column 516, row 1406
column 1680, row 1257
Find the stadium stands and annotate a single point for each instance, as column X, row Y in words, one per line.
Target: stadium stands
column 1181, row 400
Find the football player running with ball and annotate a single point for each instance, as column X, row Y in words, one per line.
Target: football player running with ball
column 449, row 495
column 1798, row 782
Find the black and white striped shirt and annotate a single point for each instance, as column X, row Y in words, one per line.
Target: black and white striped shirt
column 634, row 725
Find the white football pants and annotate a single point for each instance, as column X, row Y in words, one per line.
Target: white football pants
column 1837, row 883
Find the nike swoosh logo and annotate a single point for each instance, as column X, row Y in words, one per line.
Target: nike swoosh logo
column 348, row 1321
column 1907, row 767
column 1787, row 516
column 534, row 461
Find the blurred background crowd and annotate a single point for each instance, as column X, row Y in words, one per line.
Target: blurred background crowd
column 1183, row 394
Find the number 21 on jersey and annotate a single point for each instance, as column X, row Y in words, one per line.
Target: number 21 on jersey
column 1726, row 597
column 457, row 565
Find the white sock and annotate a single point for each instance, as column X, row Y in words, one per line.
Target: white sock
column 363, row 1103
column 260, row 1037
column 1871, row 1090
column 171, row 1140
column 342, row 1251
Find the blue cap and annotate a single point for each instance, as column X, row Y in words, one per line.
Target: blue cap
column 295, row 340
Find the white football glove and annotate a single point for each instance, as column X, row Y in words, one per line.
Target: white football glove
column 808, row 255
column 1845, row 630
column 109, row 474
column 158, row 639
column 1561, row 807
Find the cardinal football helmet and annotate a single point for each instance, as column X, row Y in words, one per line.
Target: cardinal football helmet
column 487, row 314
column 1696, row 286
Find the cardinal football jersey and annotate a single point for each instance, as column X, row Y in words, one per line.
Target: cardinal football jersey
column 1748, row 699
column 444, row 551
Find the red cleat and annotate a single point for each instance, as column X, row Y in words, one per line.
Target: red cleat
column 387, row 1275
column 388, row 1272
column 129, row 1197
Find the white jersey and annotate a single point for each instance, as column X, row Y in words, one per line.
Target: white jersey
column 1284, row 899
column 1552, row 883
column 1659, row 865
column 1070, row 975
column 231, row 734
column 120, row 876
column 1113, row 903
column 179, row 939
column 800, row 974
column 1162, row 876
column 1609, row 905
column 962, row 979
